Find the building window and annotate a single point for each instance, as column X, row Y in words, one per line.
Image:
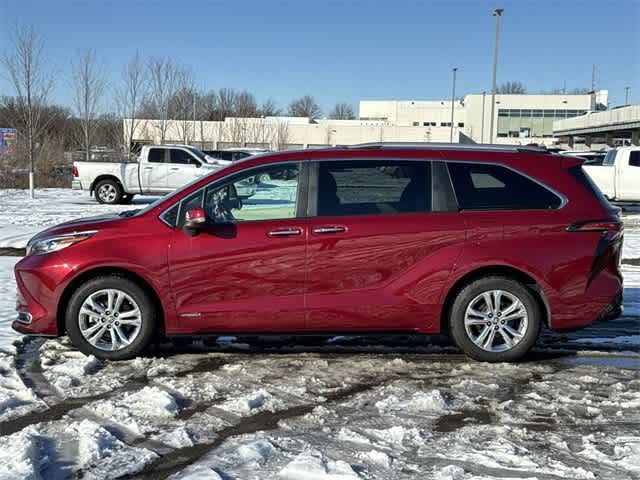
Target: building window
column 416, row 124
column 445, row 124
column 460, row 124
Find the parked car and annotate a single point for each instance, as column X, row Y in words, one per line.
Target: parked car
column 619, row 175
column 233, row 154
column 487, row 244
column 158, row 170
column 590, row 158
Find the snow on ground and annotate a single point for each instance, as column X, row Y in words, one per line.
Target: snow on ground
column 348, row 409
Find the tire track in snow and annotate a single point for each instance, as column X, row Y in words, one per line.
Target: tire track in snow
column 178, row 459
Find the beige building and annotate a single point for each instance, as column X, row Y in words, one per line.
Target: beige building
column 519, row 119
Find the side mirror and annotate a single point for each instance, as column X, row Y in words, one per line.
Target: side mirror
column 195, row 219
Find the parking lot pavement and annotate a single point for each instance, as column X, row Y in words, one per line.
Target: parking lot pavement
column 340, row 408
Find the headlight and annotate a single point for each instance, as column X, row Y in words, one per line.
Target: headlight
column 57, row 242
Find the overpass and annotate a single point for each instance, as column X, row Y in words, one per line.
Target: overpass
column 619, row 126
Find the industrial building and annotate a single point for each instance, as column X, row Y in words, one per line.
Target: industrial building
column 518, row 119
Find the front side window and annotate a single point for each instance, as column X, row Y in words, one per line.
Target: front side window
column 480, row 186
column 268, row 193
column 373, row 187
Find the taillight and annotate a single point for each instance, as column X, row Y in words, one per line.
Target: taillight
column 610, row 227
column 609, row 246
column 74, row 171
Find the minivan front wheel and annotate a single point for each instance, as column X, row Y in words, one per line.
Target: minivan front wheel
column 495, row 319
column 110, row 317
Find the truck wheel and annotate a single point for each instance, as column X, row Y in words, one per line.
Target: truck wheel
column 108, row 191
column 111, row 317
column 495, row 319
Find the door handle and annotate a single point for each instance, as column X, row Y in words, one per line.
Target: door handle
column 148, row 168
column 329, row 229
column 174, row 168
column 285, row 232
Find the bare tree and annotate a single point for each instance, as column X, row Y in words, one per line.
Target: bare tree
column 88, row 86
column 514, row 87
column 342, row 111
column 32, row 84
column 305, row 107
column 269, row 109
column 163, row 79
column 281, row 135
column 129, row 96
column 183, row 105
column 245, row 105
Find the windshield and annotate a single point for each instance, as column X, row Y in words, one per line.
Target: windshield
column 610, row 159
column 200, row 155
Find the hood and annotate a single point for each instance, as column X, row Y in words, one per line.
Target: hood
column 80, row 224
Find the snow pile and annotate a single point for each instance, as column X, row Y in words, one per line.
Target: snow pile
column 253, row 402
column 311, row 465
column 137, row 411
column 428, row 403
column 21, row 455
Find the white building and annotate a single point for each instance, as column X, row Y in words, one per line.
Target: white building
column 519, row 119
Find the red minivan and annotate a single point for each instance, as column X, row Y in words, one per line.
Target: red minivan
column 484, row 243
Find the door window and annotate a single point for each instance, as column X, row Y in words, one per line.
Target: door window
column 156, row 155
column 481, row 186
column 373, row 187
column 183, row 157
column 268, row 193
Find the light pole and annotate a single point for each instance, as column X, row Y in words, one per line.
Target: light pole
column 626, row 95
column 453, row 100
column 496, row 13
column 484, row 102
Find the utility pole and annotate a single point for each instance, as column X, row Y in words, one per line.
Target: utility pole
column 626, row 95
column 484, row 101
column 496, row 13
column 453, row 100
column 593, row 77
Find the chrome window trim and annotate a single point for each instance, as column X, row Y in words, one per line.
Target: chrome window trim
column 257, row 167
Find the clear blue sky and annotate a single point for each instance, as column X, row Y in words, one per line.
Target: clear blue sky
column 347, row 51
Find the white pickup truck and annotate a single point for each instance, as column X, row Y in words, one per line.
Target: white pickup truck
column 619, row 175
column 159, row 169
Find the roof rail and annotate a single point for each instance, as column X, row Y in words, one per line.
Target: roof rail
column 450, row 146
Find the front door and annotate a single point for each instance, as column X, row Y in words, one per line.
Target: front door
column 182, row 168
column 153, row 172
column 246, row 271
column 377, row 255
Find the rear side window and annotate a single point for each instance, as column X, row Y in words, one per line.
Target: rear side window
column 156, row 155
column 584, row 179
column 481, row 186
column 634, row 158
column 373, row 187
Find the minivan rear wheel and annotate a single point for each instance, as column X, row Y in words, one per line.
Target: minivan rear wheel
column 111, row 317
column 495, row 319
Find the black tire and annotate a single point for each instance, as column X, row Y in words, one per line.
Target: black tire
column 477, row 288
column 149, row 317
column 113, row 187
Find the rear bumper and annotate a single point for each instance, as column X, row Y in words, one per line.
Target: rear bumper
column 76, row 185
column 613, row 310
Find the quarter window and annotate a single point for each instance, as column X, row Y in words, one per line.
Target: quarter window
column 481, row 186
column 373, row 187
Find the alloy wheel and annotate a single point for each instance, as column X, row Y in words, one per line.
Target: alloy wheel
column 107, row 193
column 110, row 319
column 496, row 320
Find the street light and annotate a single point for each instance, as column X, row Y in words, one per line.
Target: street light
column 496, row 13
column 453, row 99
